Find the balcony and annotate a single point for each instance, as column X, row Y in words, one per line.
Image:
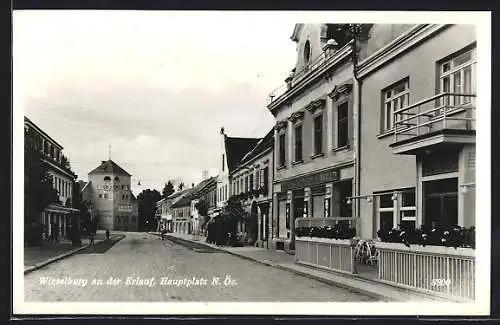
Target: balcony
column 446, row 119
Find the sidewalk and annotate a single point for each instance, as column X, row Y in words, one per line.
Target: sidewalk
column 285, row 261
column 40, row 256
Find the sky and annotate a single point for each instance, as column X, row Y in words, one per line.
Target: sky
column 155, row 86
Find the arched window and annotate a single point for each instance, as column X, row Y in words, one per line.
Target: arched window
column 307, row 52
column 117, row 179
column 107, row 178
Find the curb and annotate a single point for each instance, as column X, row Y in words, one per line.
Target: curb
column 53, row 259
column 302, row 273
column 57, row 258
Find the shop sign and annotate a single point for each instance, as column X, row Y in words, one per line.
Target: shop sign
column 327, row 176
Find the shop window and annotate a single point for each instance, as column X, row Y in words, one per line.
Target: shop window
column 394, row 98
column 441, row 202
column 345, row 191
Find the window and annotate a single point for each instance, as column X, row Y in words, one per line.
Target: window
column 222, row 162
column 298, row 143
column 246, row 184
column 307, row 52
column 395, row 98
column 318, row 134
column 282, row 151
column 457, row 75
column 386, row 211
column 117, row 179
column 251, row 182
column 100, row 196
column 266, row 177
column 343, row 125
column 105, row 196
column 257, row 179
column 107, row 178
column 407, row 211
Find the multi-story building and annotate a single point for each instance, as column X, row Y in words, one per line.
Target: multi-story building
column 56, row 216
column 181, row 211
column 251, row 182
column 314, row 171
column 114, row 205
column 417, row 143
column 380, row 136
column 232, row 150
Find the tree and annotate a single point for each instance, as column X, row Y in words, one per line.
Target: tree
column 232, row 214
column 77, row 216
column 147, row 207
column 202, row 207
column 180, row 186
column 168, row 189
column 38, row 189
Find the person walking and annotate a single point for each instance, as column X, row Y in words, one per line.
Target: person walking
column 107, row 234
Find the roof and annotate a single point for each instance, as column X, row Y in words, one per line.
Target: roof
column 109, row 166
column 182, row 199
column 196, row 191
column 43, row 133
column 265, row 143
column 236, row 148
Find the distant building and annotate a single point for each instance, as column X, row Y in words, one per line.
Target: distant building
column 251, row 182
column 232, row 151
column 113, row 203
column 56, row 215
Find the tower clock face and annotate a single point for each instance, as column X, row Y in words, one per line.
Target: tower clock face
column 106, row 187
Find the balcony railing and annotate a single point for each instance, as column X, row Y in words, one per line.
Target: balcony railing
column 443, row 111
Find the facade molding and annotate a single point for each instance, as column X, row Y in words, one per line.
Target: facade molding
column 335, row 166
column 331, row 62
column 296, row 117
column 281, row 125
column 316, row 106
column 340, row 90
column 401, row 44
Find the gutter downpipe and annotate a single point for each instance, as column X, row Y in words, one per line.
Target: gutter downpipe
column 357, row 151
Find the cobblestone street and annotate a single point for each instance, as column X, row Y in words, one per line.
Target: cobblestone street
column 142, row 257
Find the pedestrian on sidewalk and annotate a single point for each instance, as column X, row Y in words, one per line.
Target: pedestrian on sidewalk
column 107, row 234
column 91, row 237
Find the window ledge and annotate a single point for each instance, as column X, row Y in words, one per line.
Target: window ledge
column 297, row 162
column 281, row 167
column 346, row 147
column 317, row 155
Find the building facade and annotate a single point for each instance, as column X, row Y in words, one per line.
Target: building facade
column 114, row 205
column 57, row 216
column 232, row 151
column 375, row 127
column 251, row 182
column 314, row 135
column 181, row 212
column 417, row 161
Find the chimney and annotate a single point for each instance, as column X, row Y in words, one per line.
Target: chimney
column 192, row 184
column 222, row 130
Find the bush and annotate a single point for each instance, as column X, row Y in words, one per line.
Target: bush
column 451, row 236
column 339, row 231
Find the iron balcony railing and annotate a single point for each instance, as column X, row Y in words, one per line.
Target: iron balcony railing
column 442, row 111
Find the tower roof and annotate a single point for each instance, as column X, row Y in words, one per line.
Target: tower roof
column 109, row 166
